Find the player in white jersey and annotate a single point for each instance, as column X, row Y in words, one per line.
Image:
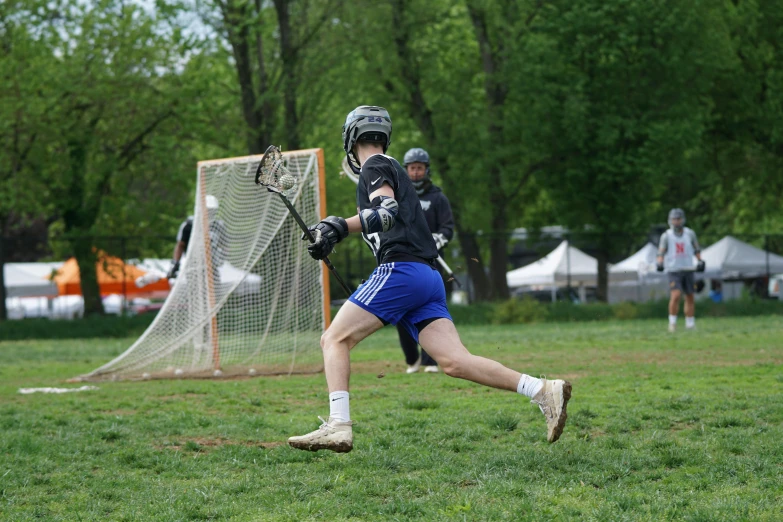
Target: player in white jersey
column 676, row 250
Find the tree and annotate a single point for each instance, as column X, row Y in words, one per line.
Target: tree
column 742, row 157
column 113, row 115
column 24, row 103
column 458, row 70
column 634, row 108
column 269, row 45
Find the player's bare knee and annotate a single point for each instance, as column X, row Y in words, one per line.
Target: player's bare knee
column 331, row 340
column 454, row 367
column 328, row 339
column 453, row 370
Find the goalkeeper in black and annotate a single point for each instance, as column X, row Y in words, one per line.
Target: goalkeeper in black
column 437, row 212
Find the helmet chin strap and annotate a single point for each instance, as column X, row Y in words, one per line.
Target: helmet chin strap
column 354, row 163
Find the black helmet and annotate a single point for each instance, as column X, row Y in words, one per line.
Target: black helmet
column 366, row 123
column 418, row 155
column 674, row 214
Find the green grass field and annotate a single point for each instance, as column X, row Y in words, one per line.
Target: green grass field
column 661, row 427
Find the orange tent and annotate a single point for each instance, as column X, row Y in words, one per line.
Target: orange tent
column 114, row 277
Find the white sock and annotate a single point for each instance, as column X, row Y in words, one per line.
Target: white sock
column 529, row 386
column 338, row 406
column 673, row 319
column 690, row 322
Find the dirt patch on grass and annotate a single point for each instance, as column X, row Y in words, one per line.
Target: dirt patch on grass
column 377, row 367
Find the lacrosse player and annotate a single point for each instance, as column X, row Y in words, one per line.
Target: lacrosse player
column 677, row 248
column 437, row 212
column 404, row 288
column 217, row 229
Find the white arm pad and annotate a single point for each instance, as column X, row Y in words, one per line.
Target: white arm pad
column 381, row 217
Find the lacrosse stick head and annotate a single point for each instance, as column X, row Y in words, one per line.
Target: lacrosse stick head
column 273, row 173
column 347, row 172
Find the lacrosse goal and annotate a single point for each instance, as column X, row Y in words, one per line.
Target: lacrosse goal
column 248, row 299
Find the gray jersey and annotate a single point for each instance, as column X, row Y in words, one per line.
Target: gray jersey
column 678, row 250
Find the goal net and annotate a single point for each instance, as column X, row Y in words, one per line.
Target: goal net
column 248, row 299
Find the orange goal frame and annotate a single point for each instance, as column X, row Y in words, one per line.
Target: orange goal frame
column 319, row 153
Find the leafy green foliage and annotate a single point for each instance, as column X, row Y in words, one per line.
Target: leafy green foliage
column 525, row 310
column 600, row 114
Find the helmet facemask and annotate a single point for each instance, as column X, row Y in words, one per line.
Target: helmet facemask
column 418, row 155
column 677, row 214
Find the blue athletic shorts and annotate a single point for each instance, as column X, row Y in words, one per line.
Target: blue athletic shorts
column 406, row 293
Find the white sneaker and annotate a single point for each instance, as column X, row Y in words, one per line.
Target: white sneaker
column 332, row 435
column 552, row 400
column 413, row 368
column 431, row 369
column 672, row 328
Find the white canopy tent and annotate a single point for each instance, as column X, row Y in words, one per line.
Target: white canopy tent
column 731, row 258
column 638, row 264
column 636, row 278
column 29, row 279
column 230, row 276
column 554, row 269
column 563, row 265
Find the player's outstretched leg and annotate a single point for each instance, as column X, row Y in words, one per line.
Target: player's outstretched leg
column 442, row 342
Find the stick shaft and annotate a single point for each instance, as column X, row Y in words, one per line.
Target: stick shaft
column 309, row 235
column 445, row 267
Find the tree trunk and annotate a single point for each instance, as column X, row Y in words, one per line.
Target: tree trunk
column 3, row 310
column 86, row 259
column 289, row 55
column 482, row 290
column 602, row 292
column 267, row 105
column 495, row 92
column 79, row 215
column 471, row 250
column 235, row 18
column 498, row 264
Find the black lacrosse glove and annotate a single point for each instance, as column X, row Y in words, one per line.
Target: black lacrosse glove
column 659, row 267
column 700, row 266
column 327, row 233
column 174, row 270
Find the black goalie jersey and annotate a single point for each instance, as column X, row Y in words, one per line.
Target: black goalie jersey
column 410, row 238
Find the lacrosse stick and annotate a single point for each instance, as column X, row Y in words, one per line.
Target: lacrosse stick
column 347, row 172
column 275, row 176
